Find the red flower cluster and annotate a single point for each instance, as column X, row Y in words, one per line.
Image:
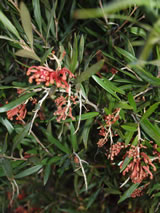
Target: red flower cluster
column 139, row 167
column 49, row 76
column 112, row 118
column 64, row 108
column 139, row 191
column 19, row 111
column 105, row 129
column 114, row 150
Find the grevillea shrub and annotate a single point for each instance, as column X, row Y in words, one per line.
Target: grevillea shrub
column 79, row 106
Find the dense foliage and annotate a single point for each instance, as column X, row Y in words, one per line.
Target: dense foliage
column 79, row 106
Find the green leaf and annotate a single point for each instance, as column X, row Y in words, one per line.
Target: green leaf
column 27, row 54
column 124, row 105
column 51, row 23
column 5, row 144
column 109, row 8
column 74, row 59
column 90, row 71
column 7, row 168
column 93, row 198
column 128, row 193
column 138, row 31
column 152, row 39
column 19, row 137
column 54, row 159
column 9, row 39
column 150, row 110
column 112, row 191
column 85, row 133
column 26, row 22
column 7, row 124
column 83, row 117
column 151, row 130
column 105, row 86
column 113, row 87
column 135, row 141
column 132, row 101
column 47, row 172
column 9, row 25
column 125, row 163
column 81, row 49
column 73, row 138
column 130, row 127
column 29, row 171
column 128, row 137
column 37, row 13
column 137, row 68
column 46, row 54
column 16, row 102
column 54, row 141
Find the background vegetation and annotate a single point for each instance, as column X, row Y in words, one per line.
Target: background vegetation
column 79, row 104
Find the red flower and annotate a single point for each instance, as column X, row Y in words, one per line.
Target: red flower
column 50, row 76
column 63, row 109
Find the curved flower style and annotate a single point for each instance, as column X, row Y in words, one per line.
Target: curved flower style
column 19, row 111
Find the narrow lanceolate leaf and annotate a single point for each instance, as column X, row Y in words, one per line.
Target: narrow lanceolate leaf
column 142, row 73
column 29, row 171
column 152, row 131
column 73, row 138
column 7, row 124
column 125, row 163
column 9, row 39
column 56, row 142
column 16, row 102
column 27, row 54
column 7, row 168
column 128, row 193
column 105, row 86
column 132, row 101
column 47, row 172
column 19, row 137
column 150, row 110
column 90, row 71
column 26, row 22
column 113, row 87
column 93, row 198
column 152, row 39
column 6, row 22
column 81, row 49
column 82, row 117
column 37, row 13
column 74, row 59
column 132, row 127
column 86, row 130
column 110, row 8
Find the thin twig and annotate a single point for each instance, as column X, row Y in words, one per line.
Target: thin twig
column 80, row 111
column 11, row 157
column 38, row 108
column 126, row 181
column 125, row 22
column 82, row 168
column 143, row 92
column 105, row 17
column 127, row 68
column 38, row 141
